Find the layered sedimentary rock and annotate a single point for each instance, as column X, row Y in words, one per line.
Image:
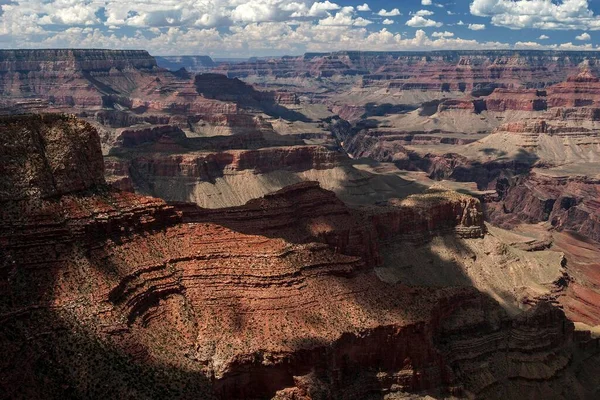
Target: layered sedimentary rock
column 567, row 202
column 126, row 89
column 184, row 176
column 435, row 71
column 109, row 292
column 190, row 63
column 69, row 78
column 580, row 90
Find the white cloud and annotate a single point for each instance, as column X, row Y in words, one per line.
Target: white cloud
column 419, row 22
column 426, row 2
column 544, row 37
column 476, row 27
column 392, row 13
column 235, row 27
column 584, row 36
column 528, row 45
column 460, row 23
column 320, row 9
column 345, row 17
column 571, row 46
column 540, row 14
column 424, row 13
column 442, row 34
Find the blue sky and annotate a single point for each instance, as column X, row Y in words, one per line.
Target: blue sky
column 242, row 28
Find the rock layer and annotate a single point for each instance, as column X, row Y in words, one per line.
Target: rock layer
column 104, row 291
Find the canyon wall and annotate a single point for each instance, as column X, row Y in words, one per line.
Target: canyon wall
column 104, row 291
column 450, row 70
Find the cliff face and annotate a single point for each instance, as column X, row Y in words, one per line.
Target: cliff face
column 57, row 60
column 69, row 78
column 433, row 71
column 103, row 291
column 190, row 63
column 48, row 156
column 568, row 203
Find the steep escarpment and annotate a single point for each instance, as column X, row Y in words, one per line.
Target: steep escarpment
column 567, row 202
column 74, row 59
column 190, row 63
column 216, row 179
column 48, row 156
column 103, row 291
column 69, row 78
column 441, row 71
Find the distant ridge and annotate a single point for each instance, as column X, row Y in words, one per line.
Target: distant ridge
column 78, row 59
column 190, row 63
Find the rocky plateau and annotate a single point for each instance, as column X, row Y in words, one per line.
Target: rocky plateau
column 351, row 225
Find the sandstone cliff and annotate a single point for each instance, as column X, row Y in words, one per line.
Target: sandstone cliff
column 108, row 292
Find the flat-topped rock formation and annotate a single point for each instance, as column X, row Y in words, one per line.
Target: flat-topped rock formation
column 451, row 70
column 189, row 63
column 56, row 60
column 69, row 78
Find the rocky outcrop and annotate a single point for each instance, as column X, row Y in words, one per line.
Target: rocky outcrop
column 190, row 63
column 441, row 71
column 209, row 166
column 48, row 156
column 104, row 291
column 502, row 100
column 70, row 78
column 580, row 90
column 137, row 137
column 567, row 202
column 217, row 86
column 174, row 176
column 436, row 212
column 74, row 59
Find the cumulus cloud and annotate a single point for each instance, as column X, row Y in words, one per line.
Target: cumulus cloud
column 544, row 37
column 540, row 14
column 419, row 22
column 476, row 27
column 528, row 45
column 392, row 13
column 424, row 13
column 571, row 46
column 442, row 34
column 584, row 36
column 460, row 23
column 320, row 9
column 345, row 17
column 426, row 2
column 226, row 27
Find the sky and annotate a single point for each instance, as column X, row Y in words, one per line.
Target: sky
column 244, row 28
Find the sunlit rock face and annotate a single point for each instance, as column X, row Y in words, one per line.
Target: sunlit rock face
column 106, row 291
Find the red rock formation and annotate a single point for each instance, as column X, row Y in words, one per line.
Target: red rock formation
column 582, row 90
column 69, row 78
column 519, row 100
column 56, row 154
column 109, row 292
column 418, row 217
column 569, row 203
column 195, row 167
column 432, row 71
column 136, row 137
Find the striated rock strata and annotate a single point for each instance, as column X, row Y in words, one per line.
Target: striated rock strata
column 104, row 291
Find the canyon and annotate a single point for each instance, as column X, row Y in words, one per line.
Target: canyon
column 348, row 225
